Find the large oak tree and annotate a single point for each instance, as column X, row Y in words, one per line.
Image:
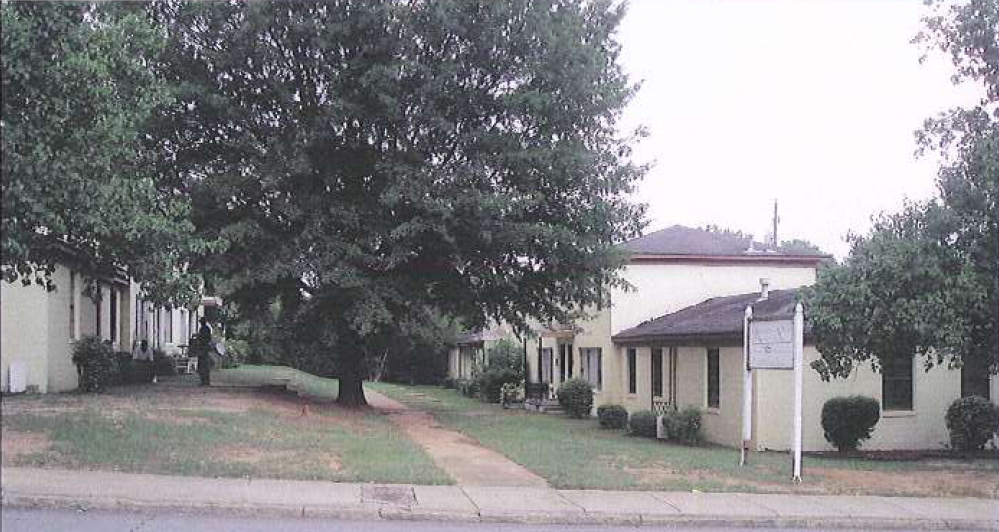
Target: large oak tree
column 372, row 163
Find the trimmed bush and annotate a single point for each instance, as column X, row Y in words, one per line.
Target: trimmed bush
column 612, row 416
column 450, row 384
column 972, row 421
column 575, row 396
column 95, row 363
column 163, row 366
column 468, row 388
column 490, row 383
column 642, row 423
column 847, row 421
column 683, row 425
column 128, row 371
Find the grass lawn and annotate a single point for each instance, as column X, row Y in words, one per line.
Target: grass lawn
column 177, row 427
column 577, row 454
column 300, row 382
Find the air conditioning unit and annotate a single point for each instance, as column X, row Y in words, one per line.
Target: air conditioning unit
column 17, row 377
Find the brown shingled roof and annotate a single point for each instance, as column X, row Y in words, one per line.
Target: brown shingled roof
column 679, row 240
column 718, row 317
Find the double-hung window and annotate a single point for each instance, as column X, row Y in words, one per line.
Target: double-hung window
column 592, row 359
column 714, row 379
column 896, row 384
column 632, row 371
column 657, row 372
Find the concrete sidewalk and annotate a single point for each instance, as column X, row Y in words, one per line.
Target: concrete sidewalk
column 104, row 490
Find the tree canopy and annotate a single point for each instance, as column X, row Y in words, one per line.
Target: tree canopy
column 373, row 163
column 77, row 180
column 926, row 280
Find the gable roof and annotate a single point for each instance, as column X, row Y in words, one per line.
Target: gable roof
column 686, row 242
column 718, row 317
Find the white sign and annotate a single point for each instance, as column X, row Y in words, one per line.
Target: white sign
column 771, row 344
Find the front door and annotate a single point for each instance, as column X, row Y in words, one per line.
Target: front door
column 546, row 365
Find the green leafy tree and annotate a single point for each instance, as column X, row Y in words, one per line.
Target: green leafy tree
column 77, row 185
column 367, row 161
column 926, row 280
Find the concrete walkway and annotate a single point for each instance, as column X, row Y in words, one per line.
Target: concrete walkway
column 23, row 487
column 468, row 463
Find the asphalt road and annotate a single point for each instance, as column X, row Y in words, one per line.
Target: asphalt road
column 48, row 520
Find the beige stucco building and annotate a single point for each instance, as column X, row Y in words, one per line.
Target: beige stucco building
column 38, row 327
column 636, row 353
column 706, row 341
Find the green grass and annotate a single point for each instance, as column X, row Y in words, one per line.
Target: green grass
column 305, row 384
column 183, row 429
column 577, row 454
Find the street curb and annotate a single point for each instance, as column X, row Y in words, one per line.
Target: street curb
column 395, row 513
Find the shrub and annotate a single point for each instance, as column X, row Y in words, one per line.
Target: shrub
column 96, row 363
column 128, row 371
column 971, row 421
column 490, row 383
column 849, row 420
column 575, row 396
column 683, row 425
column 468, row 388
column 450, row 383
column 642, row 423
column 163, row 366
column 612, row 416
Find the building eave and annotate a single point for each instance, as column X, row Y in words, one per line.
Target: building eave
column 775, row 260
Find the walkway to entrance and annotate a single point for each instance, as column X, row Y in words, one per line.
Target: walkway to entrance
column 466, row 461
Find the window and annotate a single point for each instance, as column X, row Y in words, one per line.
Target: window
column 632, row 371
column 713, row 379
column 97, row 312
column 896, row 384
column 591, row 358
column 113, row 315
column 672, row 375
column 657, row 372
column 72, row 305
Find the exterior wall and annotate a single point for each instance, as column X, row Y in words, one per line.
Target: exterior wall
column 921, row 428
column 61, row 372
column 660, row 289
column 596, row 332
column 38, row 328
column 24, row 333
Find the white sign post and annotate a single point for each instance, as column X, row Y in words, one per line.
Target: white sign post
column 799, row 372
column 774, row 344
column 747, row 389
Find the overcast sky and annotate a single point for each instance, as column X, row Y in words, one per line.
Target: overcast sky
column 813, row 103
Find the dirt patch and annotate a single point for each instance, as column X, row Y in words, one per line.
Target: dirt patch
column 244, row 454
column 15, row 444
column 917, row 483
column 655, row 477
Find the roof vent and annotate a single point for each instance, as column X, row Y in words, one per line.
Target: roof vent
column 764, row 289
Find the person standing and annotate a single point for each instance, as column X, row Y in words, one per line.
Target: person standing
column 205, row 348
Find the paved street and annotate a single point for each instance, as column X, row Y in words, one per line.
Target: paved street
column 46, row 520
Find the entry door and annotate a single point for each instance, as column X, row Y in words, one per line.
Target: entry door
column 546, row 365
column 562, row 364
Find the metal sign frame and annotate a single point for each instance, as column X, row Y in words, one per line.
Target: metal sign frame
column 798, row 348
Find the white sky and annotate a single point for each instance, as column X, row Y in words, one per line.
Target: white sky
column 814, row 103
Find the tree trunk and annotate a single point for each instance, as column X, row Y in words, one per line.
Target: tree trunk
column 351, row 380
